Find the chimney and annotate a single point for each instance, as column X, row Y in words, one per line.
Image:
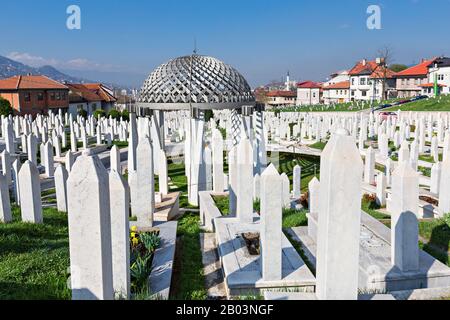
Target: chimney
column 364, row 62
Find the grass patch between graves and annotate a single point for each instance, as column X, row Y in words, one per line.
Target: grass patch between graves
column 370, row 206
column 223, row 204
column 320, row 145
column 287, row 161
column 188, row 281
column 34, row 258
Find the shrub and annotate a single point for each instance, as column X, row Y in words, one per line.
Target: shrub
column 151, row 241
column 99, row 112
column 5, row 107
column 82, row 113
column 125, row 115
column 114, row 114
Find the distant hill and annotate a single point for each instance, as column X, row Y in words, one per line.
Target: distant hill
column 10, row 68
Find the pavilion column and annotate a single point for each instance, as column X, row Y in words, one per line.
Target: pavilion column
column 232, row 159
column 197, row 163
column 260, row 159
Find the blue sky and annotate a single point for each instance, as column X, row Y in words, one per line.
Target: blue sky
column 262, row 39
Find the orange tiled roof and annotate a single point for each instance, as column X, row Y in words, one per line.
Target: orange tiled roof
column 30, row 82
column 309, row 85
column 78, row 91
column 371, row 68
column 339, row 85
column 430, row 85
column 281, row 93
column 418, row 70
column 100, row 90
column 360, row 68
column 383, row 72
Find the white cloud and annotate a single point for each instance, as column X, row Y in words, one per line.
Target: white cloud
column 28, row 59
column 74, row 64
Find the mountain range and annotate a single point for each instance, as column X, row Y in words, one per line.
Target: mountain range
column 10, row 68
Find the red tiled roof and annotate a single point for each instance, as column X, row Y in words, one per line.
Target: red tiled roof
column 371, row 68
column 430, row 85
column 100, row 90
column 383, row 72
column 281, row 93
column 78, row 91
column 30, row 82
column 418, row 70
column 360, row 68
column 309, row 85
column 339, row 85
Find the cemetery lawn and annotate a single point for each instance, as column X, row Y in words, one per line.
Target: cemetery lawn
column 318, row 145
column 442, row 103
column 309, row 165
column 188, row 281
column 223, row 204
column 34, row 258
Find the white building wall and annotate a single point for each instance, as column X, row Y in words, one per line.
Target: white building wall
column 308, row 96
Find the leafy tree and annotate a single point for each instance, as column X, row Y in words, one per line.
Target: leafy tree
column 113, row 113
column 125, row 115
column 398, row 67
column 5, row 107
column 82, row 113
column 99, row 112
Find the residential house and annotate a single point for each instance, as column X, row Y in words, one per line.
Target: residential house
column 410, row 81
column 34, row 94
column 438, row 69
column 89, row 97
column 337, row 77
column 336, row 93
column 280, row 98
column 371, row 80
column 309, row 93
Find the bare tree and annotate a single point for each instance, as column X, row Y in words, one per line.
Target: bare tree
column 385, row 56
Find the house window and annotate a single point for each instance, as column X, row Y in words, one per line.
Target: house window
column 40, row 96
column 353, row 81
column 27, row 97
column 63, row 96
column 52, row 96
column 58, row 96
column 353, row 93
column 440, row 77
column 314, row 94
column 362, row 81
column 364, row 93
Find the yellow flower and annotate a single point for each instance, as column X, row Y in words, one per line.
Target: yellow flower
column 133, row 235
column 134, row 228
column 135, row 241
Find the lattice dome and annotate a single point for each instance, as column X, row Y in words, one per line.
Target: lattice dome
column 201, row 81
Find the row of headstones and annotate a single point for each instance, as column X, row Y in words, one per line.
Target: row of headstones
column 335, row 202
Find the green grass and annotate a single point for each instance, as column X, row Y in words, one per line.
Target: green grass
column 120, row 144
column 222, row 203
column 294, row 218
column 188, row 279
column 176, row 174
column 34, row 258
column 429, row 158
column 437, row 232
column 441, row 103
column 309, row 165
column 425, row 171
column 318, row 145
column 339, row 107
column 371, row 209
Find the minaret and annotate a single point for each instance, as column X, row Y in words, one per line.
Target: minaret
column 288, row 81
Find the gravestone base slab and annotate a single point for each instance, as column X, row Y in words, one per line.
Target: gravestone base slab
column 168, row 208
column 376, row 272
column 269, row 295
column 242, row 271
